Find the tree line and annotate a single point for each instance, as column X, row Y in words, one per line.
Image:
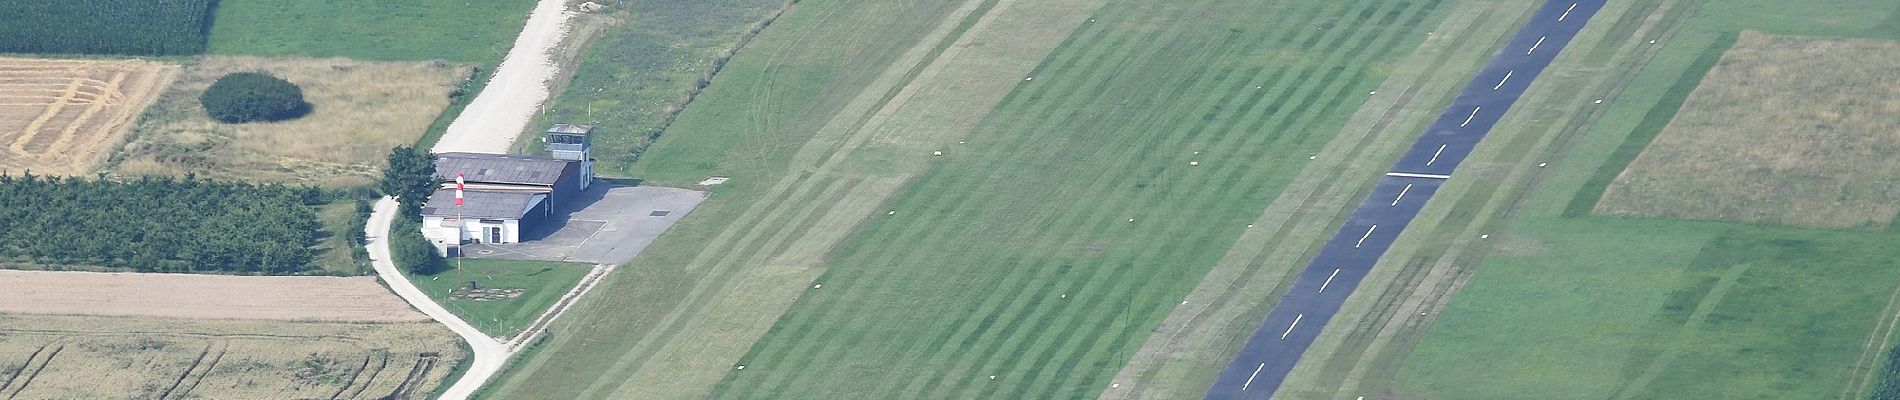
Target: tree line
column 159, row 224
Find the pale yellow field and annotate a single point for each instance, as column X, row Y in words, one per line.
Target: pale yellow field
column 290, row 298
column 61, row 117
column 360, row 110
column 82, row 357
column 1784, row 130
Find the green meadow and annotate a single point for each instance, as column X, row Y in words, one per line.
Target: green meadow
column 541, row 284
column 1595, row 307
column 1032, row 260
column 471, row 32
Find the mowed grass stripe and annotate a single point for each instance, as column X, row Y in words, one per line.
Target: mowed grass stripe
column 770, row 230
column 1153, row 192
column 804, row 321
column 907, row 214
column 1124, row 204
column 1129, row 329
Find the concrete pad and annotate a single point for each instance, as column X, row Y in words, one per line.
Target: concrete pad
column 608, row 224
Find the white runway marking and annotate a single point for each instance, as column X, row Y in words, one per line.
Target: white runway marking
column 1362, row 239
column 1441, row 150
column 1289, row 328
column 1507, row 78
column 1408, row 188
column 1412, row 175
column 1474, row 114
column 1540, row 42
column 1329, row 280
column 1573, row 6
column 1256, row 372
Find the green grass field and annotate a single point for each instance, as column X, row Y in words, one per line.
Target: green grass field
column 1581, row 306
column 476, row 32
column 1045, row 250
column 642, row 68
column 544, row 283
column 1010, row 255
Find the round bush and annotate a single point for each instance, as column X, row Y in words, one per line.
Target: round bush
column 253, row 96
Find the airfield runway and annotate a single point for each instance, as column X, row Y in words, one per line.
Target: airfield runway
column 1263, row 363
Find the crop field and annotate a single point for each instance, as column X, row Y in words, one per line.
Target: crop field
column 287, row 298
column 62, row 117
column 130, row 27
column 1784, row 130
column 70, row 357
column 360, row 110
column 473, row 32
column 1564, row 303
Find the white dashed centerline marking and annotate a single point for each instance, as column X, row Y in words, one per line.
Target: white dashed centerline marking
column 1540, row 42
column 1441, row 150
column 1507, row 78
column 1474, row 114
column 1412, row 175
column 1573, row 6
column 1329, row 280
column 1395, row 201
column 1289, row 328
column 1362, row 239
column 1256, row 372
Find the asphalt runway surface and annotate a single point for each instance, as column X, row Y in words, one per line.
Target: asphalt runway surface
column 1264, row 361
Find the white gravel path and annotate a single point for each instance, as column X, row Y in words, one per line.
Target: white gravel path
column 515, row 91
column 490, row 354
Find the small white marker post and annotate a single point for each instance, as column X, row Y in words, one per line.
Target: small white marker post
column 1362, row 239
column 1395, row 201
column 1441, row 148
column 1573, row 6
column 1329, row 280
column 1474, row 114
column 1289, row 328
column 1507, row 78
column 1256, row 372
column 1540, row 42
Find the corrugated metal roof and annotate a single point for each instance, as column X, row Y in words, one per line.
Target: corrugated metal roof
column 498, row 168
column 479, row 204
column 571, row 129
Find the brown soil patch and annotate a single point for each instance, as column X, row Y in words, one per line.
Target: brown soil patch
column 60, row 117
column 297, row 298
column 1784, row 130
column 359, row 111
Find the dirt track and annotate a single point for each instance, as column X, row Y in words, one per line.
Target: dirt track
column 515, row 92
column 201, row 296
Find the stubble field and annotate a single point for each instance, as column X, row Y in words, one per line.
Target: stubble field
column 62, row 117
column 73, row 357
column 1784, row 130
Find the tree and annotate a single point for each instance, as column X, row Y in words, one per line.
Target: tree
column 410, row 177
column 253, row 96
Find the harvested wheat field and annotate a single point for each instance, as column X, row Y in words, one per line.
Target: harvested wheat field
column 359, row 111
column 298, row 298
column 1784, row 130
column 84, row 357
column 61, row 117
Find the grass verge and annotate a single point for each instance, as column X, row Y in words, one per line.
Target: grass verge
column 508, row 295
